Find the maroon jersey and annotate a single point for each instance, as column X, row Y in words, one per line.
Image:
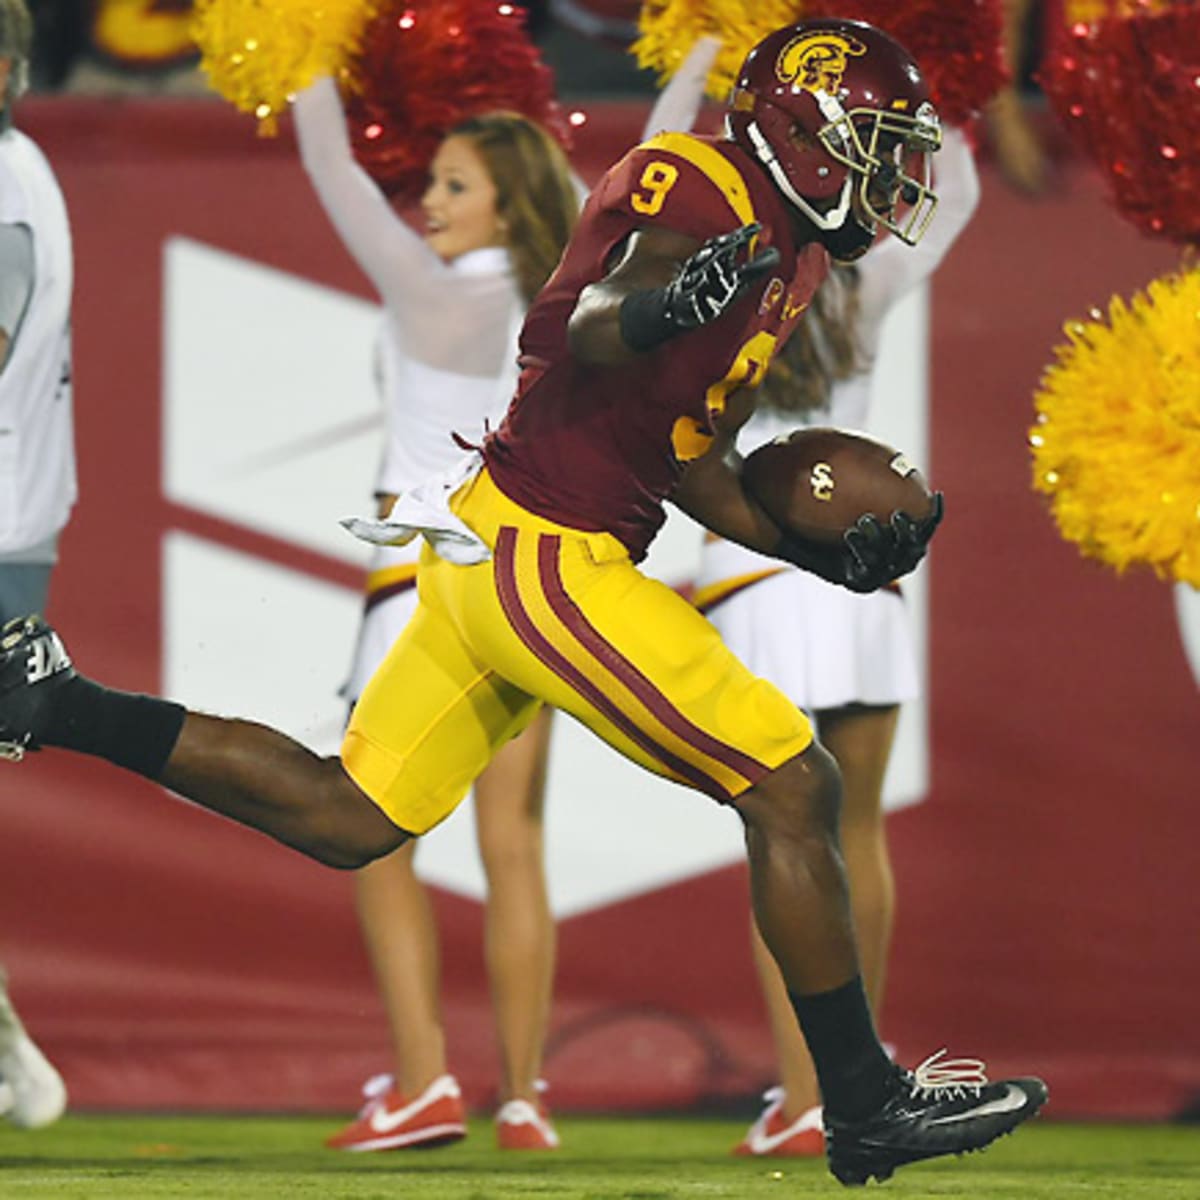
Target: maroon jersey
column 601, row 447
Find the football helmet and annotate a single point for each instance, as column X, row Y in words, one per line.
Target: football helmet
column 835, row 109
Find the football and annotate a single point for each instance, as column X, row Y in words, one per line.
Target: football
column 815, row 483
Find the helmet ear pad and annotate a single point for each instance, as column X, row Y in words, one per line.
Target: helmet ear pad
column 810, row 168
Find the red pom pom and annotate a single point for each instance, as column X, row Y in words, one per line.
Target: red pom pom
column 426, row 65
column 958, row 44
column 1127, row 89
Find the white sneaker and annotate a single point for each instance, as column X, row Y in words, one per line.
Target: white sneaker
column 521, row 1125
column 772, row 1135
column 389, row 1121
column 38, row 1094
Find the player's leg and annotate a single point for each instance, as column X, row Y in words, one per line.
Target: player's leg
column 519, row 930
column 797, row 1093
column 566, row 617
column 755, row 606
column 260, row 778
column 240, row 769
column 860, row 739
column 802, row 908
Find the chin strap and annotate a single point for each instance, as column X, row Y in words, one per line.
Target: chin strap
column 834, row 219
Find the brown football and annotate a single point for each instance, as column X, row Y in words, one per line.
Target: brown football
column 816, row 483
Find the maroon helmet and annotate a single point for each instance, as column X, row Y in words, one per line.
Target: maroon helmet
column 833, row 107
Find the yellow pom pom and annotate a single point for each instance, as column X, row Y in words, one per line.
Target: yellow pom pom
column 669, row 28
column 258, row 53
column 1116, row 446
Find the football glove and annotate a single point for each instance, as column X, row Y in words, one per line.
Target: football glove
column 870, row 555
column 706, row 285
column 912, row 537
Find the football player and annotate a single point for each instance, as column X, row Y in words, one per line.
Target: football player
column 693, row 260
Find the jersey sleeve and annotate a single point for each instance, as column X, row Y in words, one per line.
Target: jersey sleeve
column 678, row 182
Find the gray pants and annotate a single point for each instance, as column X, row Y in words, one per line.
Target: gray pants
column 24, row 588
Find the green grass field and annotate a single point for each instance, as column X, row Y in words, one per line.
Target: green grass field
column 604, row 1159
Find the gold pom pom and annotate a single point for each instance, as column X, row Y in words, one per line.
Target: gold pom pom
column 259, row 53
column 669, row 28
column 1116, row 446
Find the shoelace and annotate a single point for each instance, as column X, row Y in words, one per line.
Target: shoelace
column 939, row 1077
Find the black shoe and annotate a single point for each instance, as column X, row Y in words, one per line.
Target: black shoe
column 33, row 666
column 945, row 1106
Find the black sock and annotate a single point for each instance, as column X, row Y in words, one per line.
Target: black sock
column 132, row 731
column 853, row 1070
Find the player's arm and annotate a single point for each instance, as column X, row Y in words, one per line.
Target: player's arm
column 867, row 557
column 651, row 259
column 664, row 283
column 710, row 491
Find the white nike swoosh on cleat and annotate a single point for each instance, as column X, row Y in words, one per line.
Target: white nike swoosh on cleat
column 1013, row 1099
column 761, row 1142
column 383, row 1121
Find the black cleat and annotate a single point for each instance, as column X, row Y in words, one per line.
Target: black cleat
column 945, row 1106
column 33, row 666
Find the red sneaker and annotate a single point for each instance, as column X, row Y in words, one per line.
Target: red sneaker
column 521, row 1125
column 773, row 1136
column 390, row 1122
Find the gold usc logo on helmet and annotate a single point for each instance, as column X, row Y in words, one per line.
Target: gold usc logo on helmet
column 816, row 61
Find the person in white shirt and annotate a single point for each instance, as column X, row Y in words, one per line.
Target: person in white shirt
column 846, row 659
column 500, row 205
column 37, row 448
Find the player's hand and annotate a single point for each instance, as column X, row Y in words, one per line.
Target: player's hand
column 870, row 555
column 705, row 285
column 713, row 278
column 869, row 551
column 912, row 537
column 880, row 554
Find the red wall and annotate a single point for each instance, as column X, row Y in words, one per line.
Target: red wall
column 1048, row 897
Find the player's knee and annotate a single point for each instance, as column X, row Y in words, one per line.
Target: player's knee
column 353, row 830
column 799, row 799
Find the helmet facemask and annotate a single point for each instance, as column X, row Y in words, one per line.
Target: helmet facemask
column 887, row 156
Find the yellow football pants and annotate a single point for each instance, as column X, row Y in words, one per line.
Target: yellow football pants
column 561, row 617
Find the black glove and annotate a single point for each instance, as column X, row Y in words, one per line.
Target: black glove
column 707, row 284
column 870, row 555
column 912, row 537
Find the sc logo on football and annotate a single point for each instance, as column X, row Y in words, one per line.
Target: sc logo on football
column 821, row 482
